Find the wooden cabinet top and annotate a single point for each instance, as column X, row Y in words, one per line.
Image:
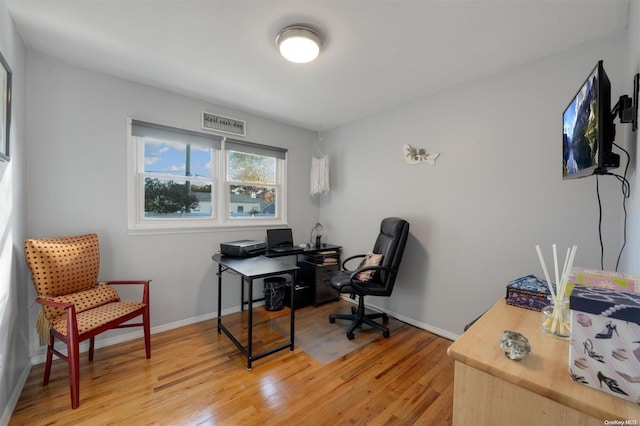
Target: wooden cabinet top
column 544, row 371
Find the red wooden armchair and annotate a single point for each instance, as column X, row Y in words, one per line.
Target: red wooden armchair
column 75, row 307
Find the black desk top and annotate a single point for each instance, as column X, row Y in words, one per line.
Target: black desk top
column 304, row 250
column 254, row 267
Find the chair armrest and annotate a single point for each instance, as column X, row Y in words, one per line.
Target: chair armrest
column 72, row 322
column 145, row 283
column 344, row 262
column 361, row 285
column 125, row 282
column 63, row 305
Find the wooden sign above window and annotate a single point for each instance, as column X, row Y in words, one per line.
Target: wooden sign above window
column 223, row 124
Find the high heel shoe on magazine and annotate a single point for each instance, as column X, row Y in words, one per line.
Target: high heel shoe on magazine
column 588, row 349
column 608, row 331
column 611, row 383
column 576, row 378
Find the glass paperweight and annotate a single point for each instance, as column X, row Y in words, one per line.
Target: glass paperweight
column 556, row 319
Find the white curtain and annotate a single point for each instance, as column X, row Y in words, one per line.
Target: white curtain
column 319, row 175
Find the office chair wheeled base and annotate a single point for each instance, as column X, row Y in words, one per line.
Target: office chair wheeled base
column 358, row 317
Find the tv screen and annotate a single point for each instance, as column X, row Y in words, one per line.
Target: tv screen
column 585, row 126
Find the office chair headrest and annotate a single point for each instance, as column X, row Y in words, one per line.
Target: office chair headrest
column 393, row 226
column 391, row 241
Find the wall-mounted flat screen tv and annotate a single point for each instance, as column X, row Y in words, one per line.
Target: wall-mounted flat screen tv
column 588, row 129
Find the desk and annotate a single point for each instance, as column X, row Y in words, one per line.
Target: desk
column 316, row 289
column 250, row 269
column 490, row 389
column 307, row 250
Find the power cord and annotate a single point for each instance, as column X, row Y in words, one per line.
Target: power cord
column 626, row 193
column 600, row 222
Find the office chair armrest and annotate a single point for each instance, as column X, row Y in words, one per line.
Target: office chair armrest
column 344, row 262
column 361, row 285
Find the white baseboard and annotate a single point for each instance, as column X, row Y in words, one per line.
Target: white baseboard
column 15, row 396
column 431, row 329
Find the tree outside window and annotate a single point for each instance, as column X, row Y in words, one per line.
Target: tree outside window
column 252, row 189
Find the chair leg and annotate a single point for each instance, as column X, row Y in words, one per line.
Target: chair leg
column 357, row 322
column 369, row 321
column 91, row 347
column 358, row 317
column 385, row 317
column 147, row 331
column 47, row 366
column 73, row 355
column 334, row 317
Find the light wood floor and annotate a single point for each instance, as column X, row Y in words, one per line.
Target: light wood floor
column 197, row 377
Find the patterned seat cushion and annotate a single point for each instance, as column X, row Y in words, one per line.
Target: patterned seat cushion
column 83, row 300
column 93, row 318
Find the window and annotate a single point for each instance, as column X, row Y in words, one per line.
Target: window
column 253, row 180
column 182, row 179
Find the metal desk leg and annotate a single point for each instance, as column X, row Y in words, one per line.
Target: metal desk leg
column 219, row 296
column 250, row 328
column 241, row 294
column 293, row 309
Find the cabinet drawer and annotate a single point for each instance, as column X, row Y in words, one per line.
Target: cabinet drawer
column 326, row 270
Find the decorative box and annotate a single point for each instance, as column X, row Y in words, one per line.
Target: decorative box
column 618, row 281
column 605, row 341
column 528, row 292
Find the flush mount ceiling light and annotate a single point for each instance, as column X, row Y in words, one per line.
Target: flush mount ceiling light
column 298, row 44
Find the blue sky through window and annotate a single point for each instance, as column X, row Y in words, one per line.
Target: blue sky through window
column 171, row 158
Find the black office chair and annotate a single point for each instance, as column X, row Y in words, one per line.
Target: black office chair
column 390, row 244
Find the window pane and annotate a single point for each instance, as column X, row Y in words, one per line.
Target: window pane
column 251, row 168
column 252, row 201
column 177, row 159
column 166, row 198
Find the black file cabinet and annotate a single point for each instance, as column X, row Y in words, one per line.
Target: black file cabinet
column 303, row 295
column 318, row 276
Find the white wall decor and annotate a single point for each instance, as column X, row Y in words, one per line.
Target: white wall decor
column 223, row 124
column 418, row 155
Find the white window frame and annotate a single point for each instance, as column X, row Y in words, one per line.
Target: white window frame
column 230, row 145
column 138, row 223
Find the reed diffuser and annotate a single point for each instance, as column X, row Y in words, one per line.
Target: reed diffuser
column 556, row 322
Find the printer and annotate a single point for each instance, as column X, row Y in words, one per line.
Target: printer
column 243, row 248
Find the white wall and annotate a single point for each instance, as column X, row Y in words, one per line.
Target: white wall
column 495, row 192
column 77, row 180
column 14, row 324
column 632, row 258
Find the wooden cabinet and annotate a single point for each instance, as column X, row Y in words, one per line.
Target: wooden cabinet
column 490, row 389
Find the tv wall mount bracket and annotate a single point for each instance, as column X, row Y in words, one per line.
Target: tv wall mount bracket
column 627, row 107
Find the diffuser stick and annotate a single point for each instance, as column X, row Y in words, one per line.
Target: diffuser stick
column 555, row 323
column 555, row 265
column 546, row 273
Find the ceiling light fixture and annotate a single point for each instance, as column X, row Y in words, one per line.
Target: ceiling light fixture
column 298, row 44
